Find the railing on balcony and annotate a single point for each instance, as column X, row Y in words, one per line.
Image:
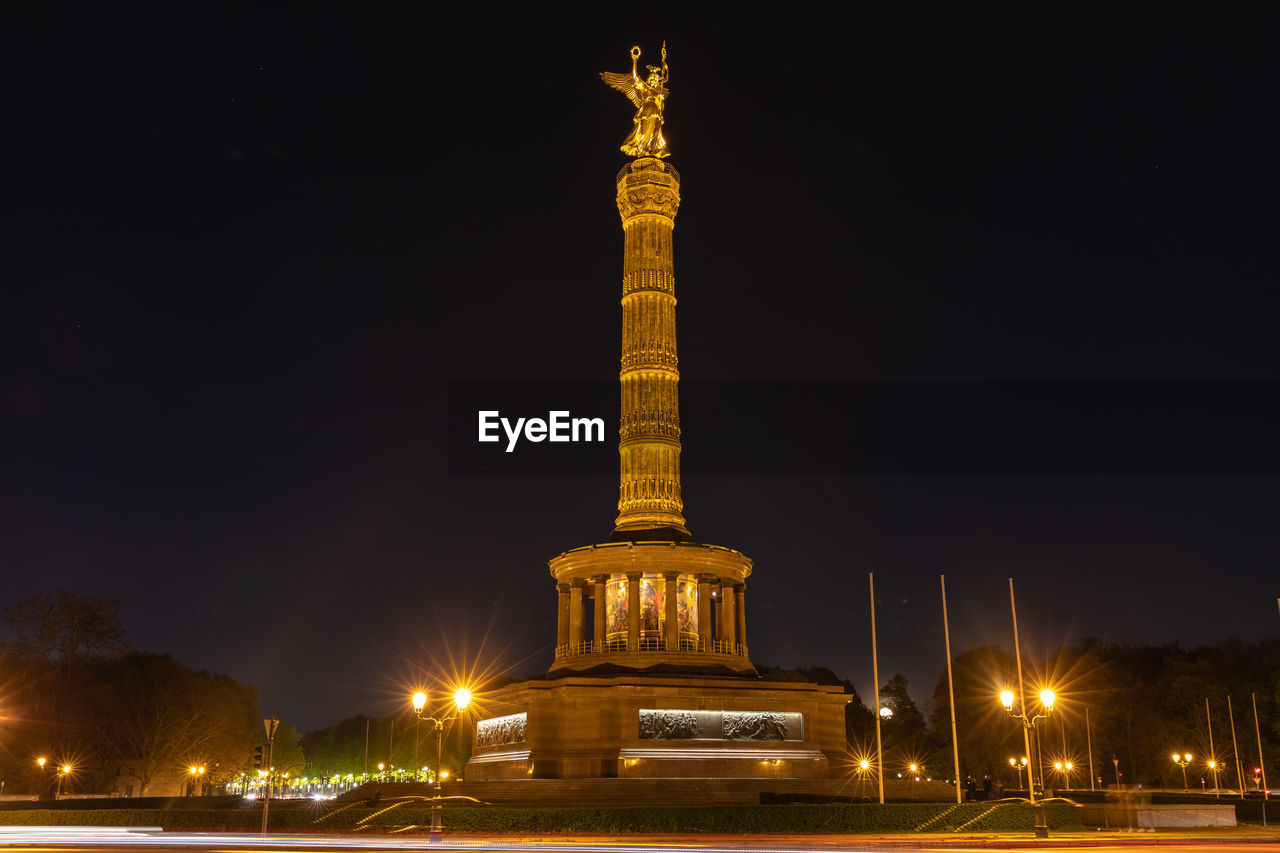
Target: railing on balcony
column 652, row 644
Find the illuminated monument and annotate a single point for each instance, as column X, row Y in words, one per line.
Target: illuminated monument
column 656, row 681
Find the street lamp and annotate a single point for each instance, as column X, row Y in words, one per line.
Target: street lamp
column 195, row 772
column 63, row 772
column 1047, row 698
column 1017, row 768
column 1213, row 765
column 461, row 699
column 419, row 700
column 1182, row 760
column 1064, row 770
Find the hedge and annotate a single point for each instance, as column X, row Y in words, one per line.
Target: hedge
column 856, row 818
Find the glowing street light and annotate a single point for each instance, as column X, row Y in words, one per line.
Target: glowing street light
column 1182, row 760
column 1064, row 770
column 195, row 772
column 1028, row 721
column 1013, row 762
column 63, row 772
column 460, row 700
column 419, row 701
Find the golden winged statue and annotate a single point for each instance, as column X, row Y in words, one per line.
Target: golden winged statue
column 649, row 94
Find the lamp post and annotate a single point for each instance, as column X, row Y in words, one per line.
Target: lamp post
column 1047, row 699
column 1028, row 722
column 1064, row 770
column 63, row 772
column 419, row 702
column 1017, row 768
column 1213, row 766
column 195, row 772
column 461, row 699
column 1182, row 760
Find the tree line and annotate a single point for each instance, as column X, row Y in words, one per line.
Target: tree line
column 1136, row 704
column 1132, row 705
column 72, row 691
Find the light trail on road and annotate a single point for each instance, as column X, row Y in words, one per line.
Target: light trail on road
column 121, row 839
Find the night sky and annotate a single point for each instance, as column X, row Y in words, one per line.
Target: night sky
column 247, row 251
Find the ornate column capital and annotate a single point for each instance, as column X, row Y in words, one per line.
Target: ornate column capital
column 648, row 186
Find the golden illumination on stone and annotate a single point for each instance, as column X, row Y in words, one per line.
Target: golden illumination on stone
column 651, row 677
column 649, row 94
column 649, row 503
column 650, row 597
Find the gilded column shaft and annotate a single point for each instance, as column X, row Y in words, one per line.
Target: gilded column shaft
column 649, row 501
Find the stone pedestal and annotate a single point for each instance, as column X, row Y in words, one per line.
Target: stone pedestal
column 635, row 726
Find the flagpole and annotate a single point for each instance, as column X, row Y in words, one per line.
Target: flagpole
column 1213, row 756
column 951, row 690
column 1257, row 732
column 1088, row 734
column 1235, row 747
column 875, row 678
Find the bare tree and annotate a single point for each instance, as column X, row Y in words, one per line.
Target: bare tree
column 160, row 716
column 66, row 624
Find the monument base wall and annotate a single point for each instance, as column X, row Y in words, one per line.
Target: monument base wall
column 642, row 727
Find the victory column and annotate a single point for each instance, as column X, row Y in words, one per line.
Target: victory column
column 657, row 682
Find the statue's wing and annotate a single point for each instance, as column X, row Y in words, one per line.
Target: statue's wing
column 624, row 83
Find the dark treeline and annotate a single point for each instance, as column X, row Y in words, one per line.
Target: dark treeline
column 74, row 693
column 1143, row 704
column 361, row 743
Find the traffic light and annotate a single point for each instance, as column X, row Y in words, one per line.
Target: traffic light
column 259, row 760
